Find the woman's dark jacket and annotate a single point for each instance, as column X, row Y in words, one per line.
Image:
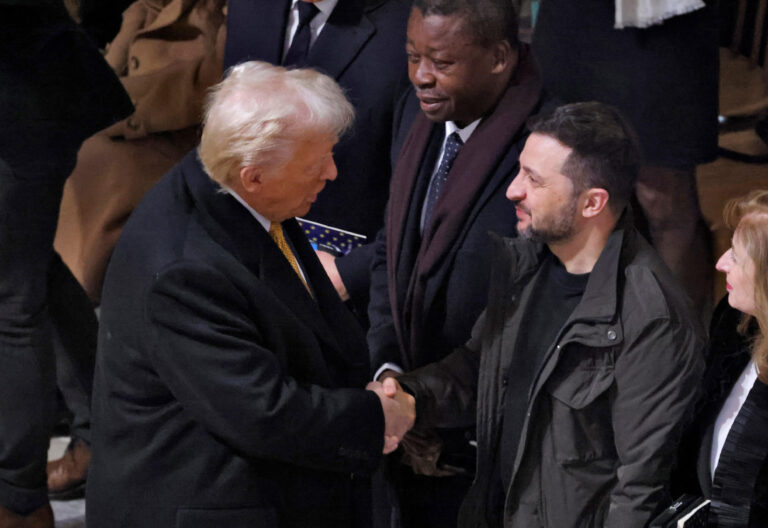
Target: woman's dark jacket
column 739, row 492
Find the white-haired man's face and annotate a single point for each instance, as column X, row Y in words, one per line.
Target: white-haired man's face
column 290, row 190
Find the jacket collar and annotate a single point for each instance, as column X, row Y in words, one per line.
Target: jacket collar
column 600, row 302
column 345, row 33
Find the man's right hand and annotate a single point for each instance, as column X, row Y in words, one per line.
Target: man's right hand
column 399, row 411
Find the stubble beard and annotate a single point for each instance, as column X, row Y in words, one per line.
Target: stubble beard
column 558, row 228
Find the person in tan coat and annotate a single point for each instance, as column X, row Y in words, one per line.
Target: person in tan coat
column 167, row 53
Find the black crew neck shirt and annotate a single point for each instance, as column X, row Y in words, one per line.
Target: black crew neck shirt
column 554, row 298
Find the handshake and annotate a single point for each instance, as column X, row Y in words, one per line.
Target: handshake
column 399, row 411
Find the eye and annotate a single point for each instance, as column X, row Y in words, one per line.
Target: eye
column 440, row 64
column 412, row 57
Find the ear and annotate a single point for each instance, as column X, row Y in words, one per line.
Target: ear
column 504, row 57
column 250, row 178
column 595, row 200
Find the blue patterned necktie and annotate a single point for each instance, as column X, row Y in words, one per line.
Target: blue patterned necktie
column 452, row 146
column 297, row 53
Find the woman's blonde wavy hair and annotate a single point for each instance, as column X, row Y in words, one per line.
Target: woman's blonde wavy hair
column 748, row 217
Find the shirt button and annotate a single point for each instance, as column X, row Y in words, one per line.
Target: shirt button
column 504, row 382
column 611, row 334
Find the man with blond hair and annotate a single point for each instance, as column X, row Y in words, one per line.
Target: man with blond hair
column 229, row 380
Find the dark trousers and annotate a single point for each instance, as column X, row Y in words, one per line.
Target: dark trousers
column 40, row 303
column 430, row 502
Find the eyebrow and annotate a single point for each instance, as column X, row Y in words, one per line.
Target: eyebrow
column 528, row 169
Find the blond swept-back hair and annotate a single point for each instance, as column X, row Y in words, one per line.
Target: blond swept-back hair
column 258, row 113
column 748, row 217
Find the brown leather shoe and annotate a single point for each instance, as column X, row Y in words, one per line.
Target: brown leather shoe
column 66, row 476
column 40, row 518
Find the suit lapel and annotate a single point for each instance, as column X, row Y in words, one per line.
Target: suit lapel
column 250, row 243
column 255, row 31
column 495, row 185
column 332, row 320
column 344, row 34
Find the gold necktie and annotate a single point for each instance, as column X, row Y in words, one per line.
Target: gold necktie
column 276, row 232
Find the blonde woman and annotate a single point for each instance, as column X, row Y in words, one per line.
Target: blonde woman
column 727, row 445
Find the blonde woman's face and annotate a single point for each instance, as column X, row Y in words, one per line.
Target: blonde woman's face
column 739, row 277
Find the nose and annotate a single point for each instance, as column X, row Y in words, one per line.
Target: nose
column 331, row 171
column 516, row 190
column 722, row 263
column 421, row 74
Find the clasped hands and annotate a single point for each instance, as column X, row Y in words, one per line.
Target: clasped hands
column 399, row 411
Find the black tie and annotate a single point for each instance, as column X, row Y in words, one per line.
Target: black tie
column 297, row 53
column 452, row 146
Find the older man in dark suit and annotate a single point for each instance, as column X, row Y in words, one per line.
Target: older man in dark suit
column 360, row 44
column 229, row 380
column 458, row 137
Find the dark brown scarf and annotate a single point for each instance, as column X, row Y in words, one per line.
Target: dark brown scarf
column 470, row 173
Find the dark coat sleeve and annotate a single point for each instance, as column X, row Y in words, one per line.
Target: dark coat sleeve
column 208, row 350
column 446, row 391
column 382, row 339
column 648, row 415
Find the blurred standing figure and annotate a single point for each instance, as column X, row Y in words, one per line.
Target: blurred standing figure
column 55, row 90
column 167, row 54
column 360, row 44
column 664, row 78
column 724, row 455
column 166, row 57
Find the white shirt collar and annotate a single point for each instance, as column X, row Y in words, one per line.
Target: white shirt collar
column 464, row 133
column 265, row 223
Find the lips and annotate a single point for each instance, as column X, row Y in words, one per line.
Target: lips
column 728, row 287
column 430, row 102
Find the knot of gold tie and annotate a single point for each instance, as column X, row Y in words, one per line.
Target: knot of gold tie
column 276, row 232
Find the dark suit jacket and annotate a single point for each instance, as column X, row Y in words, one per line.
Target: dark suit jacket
column 427, row 292
column 362, row 46
column 739, row 491
column 225, row 395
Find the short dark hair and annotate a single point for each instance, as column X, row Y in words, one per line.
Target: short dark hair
column 605, row 151
column 489, row 21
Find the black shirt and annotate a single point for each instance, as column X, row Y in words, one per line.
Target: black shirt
column 555, row 296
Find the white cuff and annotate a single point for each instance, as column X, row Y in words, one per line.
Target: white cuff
column 387, row 366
